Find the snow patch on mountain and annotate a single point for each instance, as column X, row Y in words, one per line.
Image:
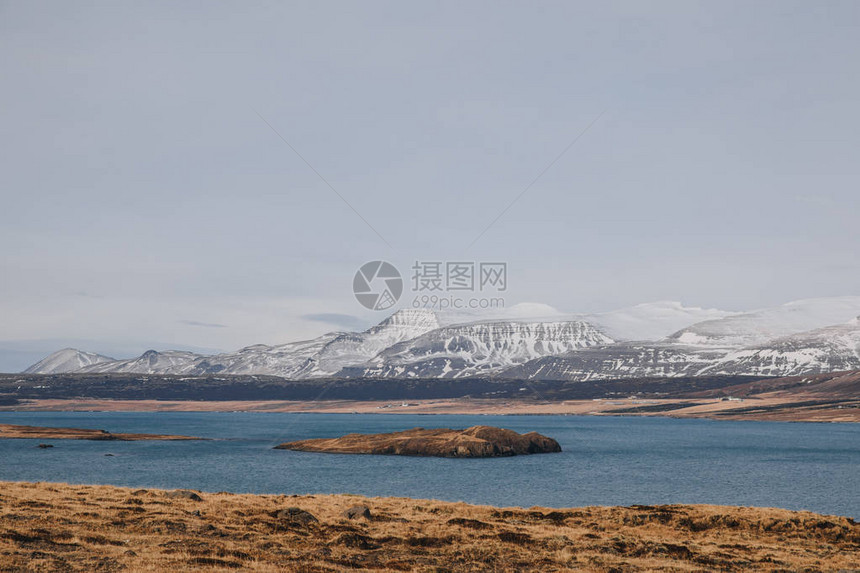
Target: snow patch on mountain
column 617, row 361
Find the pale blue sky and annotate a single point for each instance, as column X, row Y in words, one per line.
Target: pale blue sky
column 144, row 199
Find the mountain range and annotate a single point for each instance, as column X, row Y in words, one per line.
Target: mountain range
column 809, row 336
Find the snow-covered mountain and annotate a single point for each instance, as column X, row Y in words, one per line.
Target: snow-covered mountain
column 322, row 356
column 287, row 360
column 803, row 337
column 828, row 349
column 66, row 360
column 150, row 362
column 652, row 320
column 481, row 348
column 357, row 348
column 759, row 326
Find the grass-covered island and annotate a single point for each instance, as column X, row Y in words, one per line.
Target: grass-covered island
column 9, row 431
column 474, row 442
column 59, row 527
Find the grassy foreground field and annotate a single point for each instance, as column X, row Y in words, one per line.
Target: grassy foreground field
column 46, row 527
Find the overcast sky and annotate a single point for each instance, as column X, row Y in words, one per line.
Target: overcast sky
column 145, row 200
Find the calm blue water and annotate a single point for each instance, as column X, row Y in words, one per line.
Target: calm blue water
column 606, row 461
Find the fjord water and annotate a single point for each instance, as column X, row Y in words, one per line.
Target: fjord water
column 606, row 460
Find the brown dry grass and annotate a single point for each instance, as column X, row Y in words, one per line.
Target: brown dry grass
column 102, row 528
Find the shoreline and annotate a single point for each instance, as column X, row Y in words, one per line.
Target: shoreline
column 794, row 408
column 49, row 526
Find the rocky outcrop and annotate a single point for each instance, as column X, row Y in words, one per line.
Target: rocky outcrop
column 474, row 442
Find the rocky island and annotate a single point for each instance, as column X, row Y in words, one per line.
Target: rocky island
column 474, row 442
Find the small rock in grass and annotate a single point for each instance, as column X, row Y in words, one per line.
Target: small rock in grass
column 296, row 515
column 357, row 512
column 184, row 494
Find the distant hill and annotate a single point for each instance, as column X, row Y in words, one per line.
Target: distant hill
column 67, row 360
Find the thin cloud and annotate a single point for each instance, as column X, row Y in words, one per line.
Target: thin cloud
column 342, row 320
column 203, row 324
